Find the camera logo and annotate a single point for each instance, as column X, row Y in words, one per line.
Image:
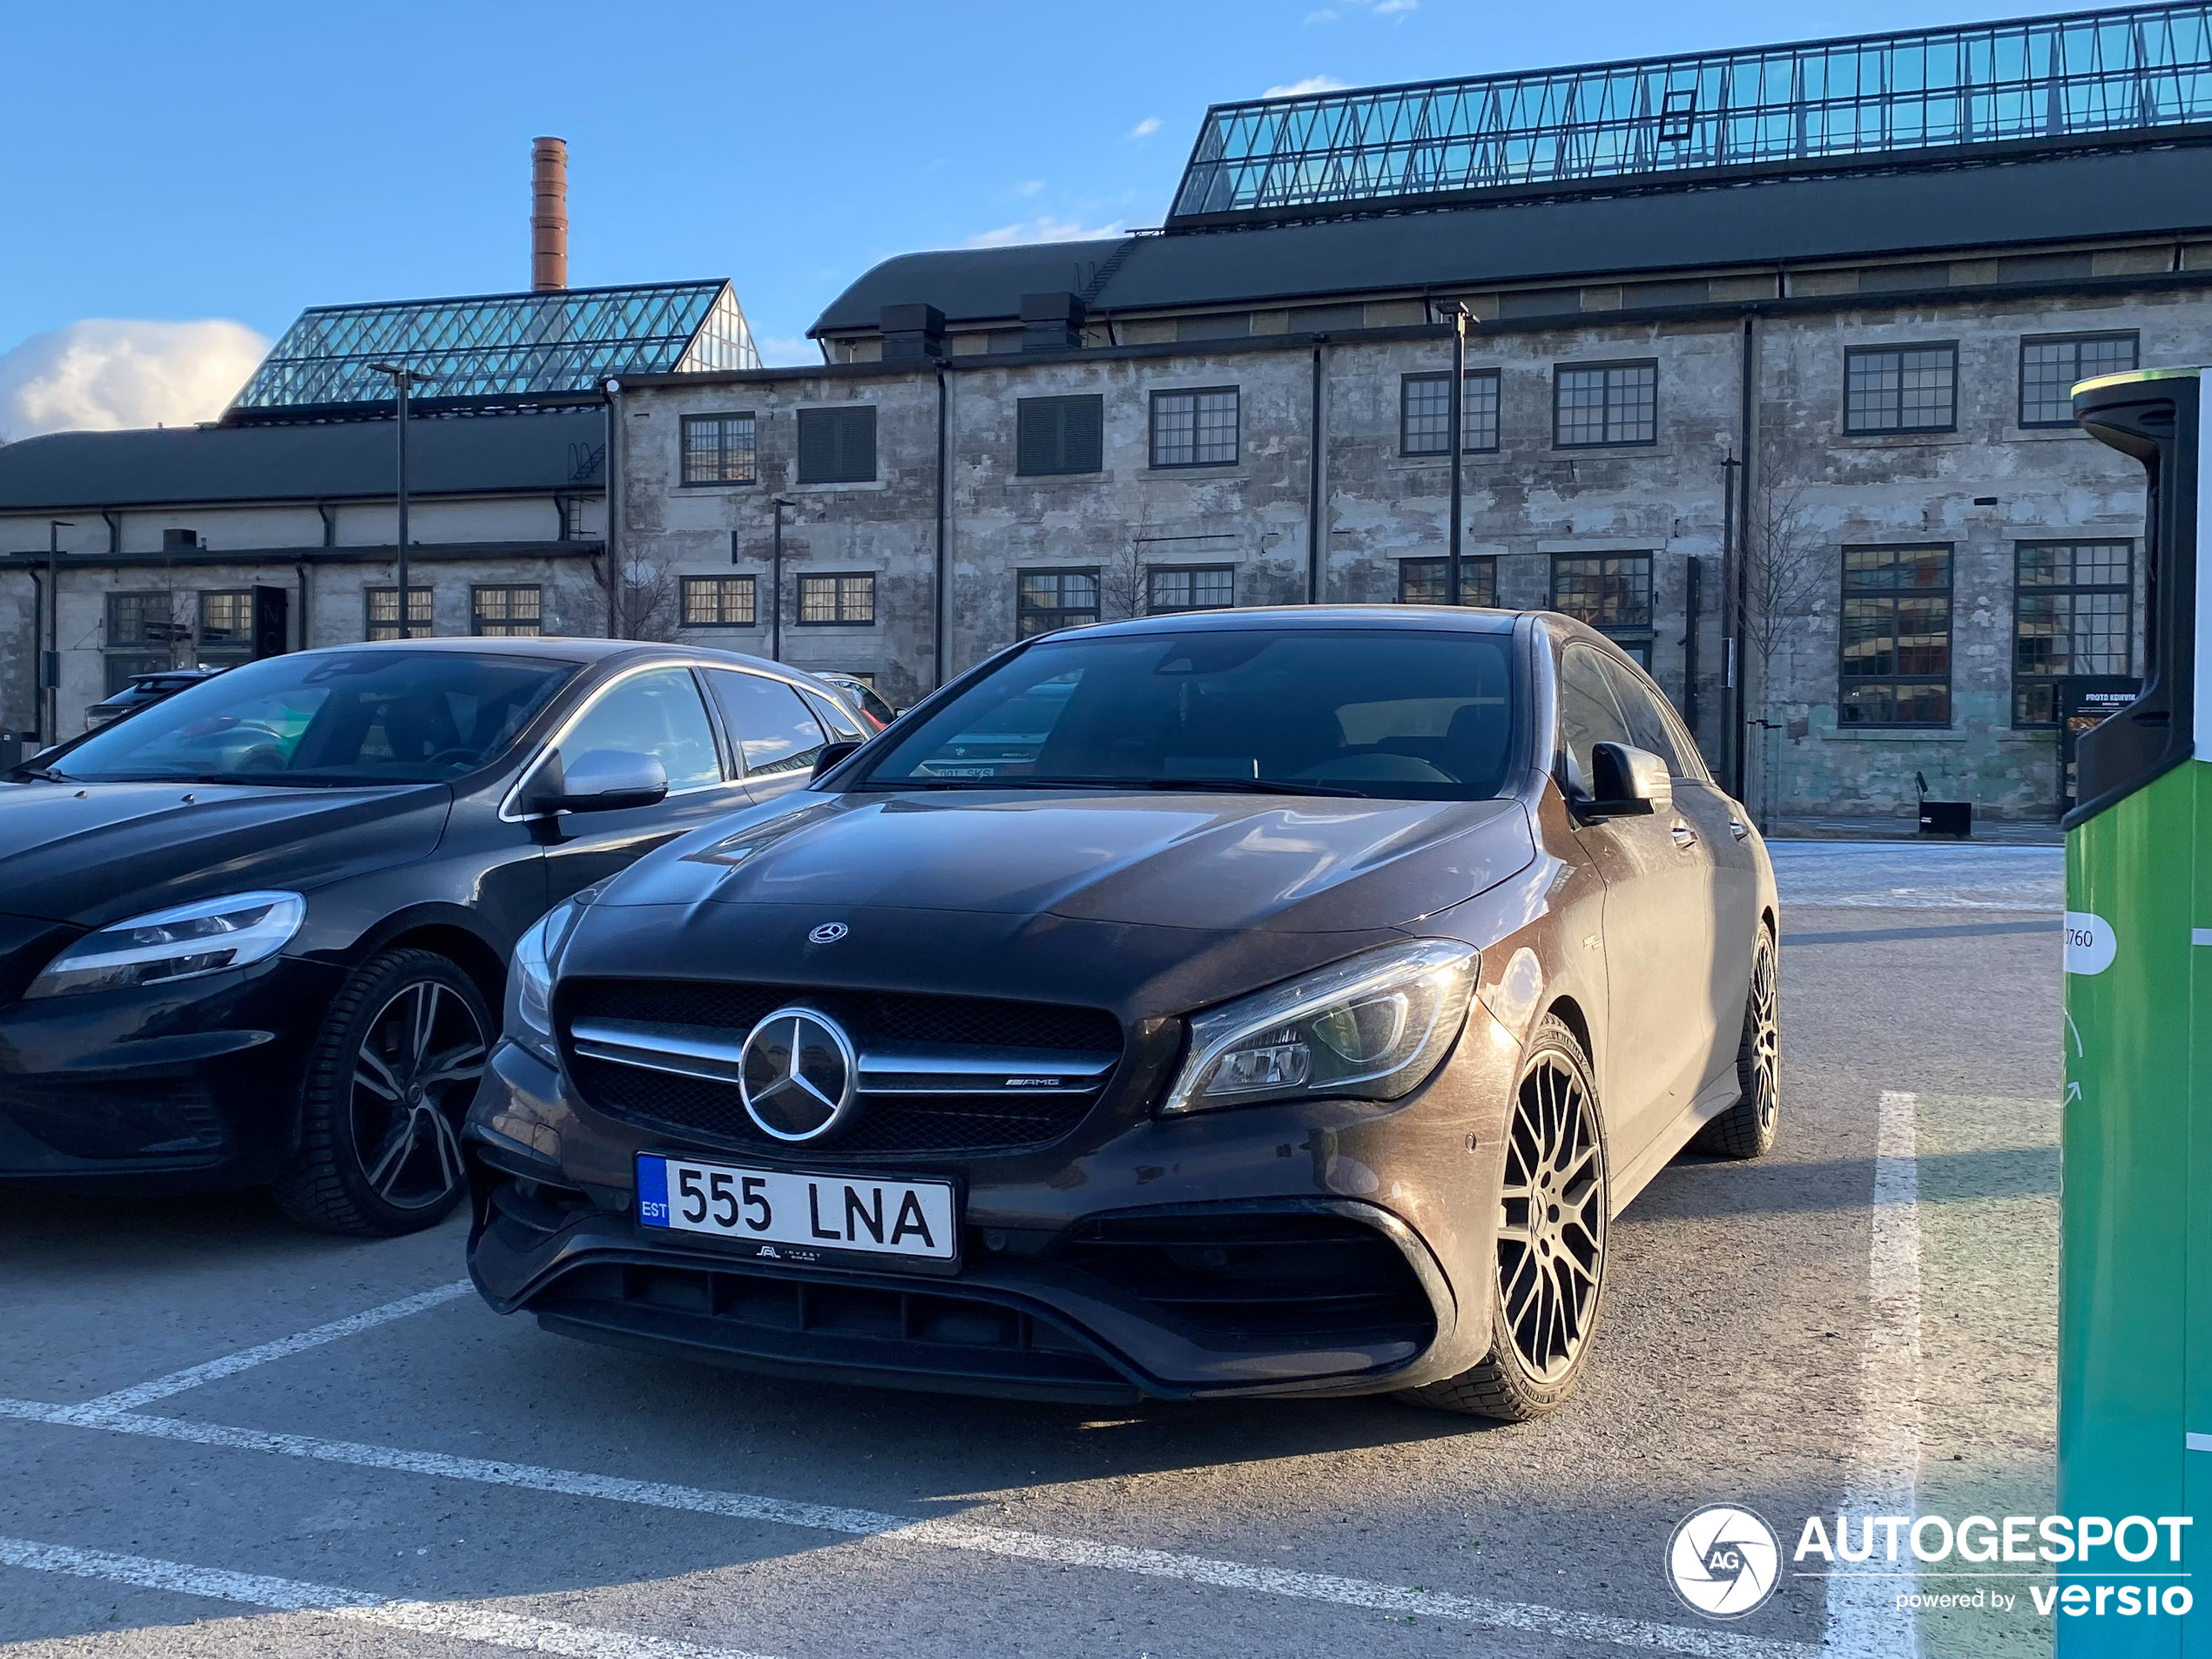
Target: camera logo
column 1723, row 1562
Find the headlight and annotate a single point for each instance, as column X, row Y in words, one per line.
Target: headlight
column 529, row 982
column 1372, row 1027
column 182, row 943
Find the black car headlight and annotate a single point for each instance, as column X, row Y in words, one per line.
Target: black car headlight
column 529, row 981
column 1372, row 1027
column 163, row 945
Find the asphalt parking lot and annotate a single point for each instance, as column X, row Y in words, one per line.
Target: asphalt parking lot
column 219, row 1435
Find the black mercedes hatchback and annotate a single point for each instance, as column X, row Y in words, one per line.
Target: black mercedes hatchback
column 1250, row 1002
column 254, row 933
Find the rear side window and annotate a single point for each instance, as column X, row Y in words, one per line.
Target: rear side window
column 841, row 726
column 1588, row 715
column 1649, row 726
column 657, row 712
column 771, row 729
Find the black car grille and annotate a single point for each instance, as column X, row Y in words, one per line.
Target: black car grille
column 1271, row 1278
column 954, row 1029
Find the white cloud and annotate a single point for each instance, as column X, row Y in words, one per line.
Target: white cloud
column 1044, row 228
column 1029, row 187
column 105, row 373
column 1396, row 8
column 1311, row 84
column 1325, row 15
column 791, row 351
column 1373, row 8
column 1146, row 128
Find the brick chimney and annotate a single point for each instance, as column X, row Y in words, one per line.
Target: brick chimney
column 548, row 213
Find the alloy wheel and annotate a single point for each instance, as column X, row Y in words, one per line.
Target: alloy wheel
column 414, row 1074
column 1765, row 1082
column 1551, row 1222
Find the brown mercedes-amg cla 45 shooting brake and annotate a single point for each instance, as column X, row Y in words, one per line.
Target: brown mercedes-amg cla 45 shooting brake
column 1249, row 1002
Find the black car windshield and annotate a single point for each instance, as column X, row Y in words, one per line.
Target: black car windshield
column 325, row 718
column 1392, row 713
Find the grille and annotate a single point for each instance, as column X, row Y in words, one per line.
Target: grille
column 884, row 1125
column 1291, row 1277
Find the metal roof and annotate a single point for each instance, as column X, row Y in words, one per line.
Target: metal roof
column 1877, row 97
column 500, row 345
column 2040, row 199
column 329, row 460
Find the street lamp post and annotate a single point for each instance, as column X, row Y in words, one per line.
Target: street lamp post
column 403, row 379
column 1457, row 314
column 776, row 582
column 50, row 670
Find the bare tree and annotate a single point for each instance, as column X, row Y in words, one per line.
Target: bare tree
column 1120, row 582
column 648, row 596
column 1785, row 571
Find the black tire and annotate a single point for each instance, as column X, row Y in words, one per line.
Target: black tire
column 1746, row 1130
column 388, row 1082
column 1547, row 1289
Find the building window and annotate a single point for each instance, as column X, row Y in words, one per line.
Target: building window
column 1059, row 435
column 837, row 446
column 1605, row 403
column 719, row 449
column 1905, row 389
column 718, row 602
column 1424, row 413
column 508, row 609
column 1192, row 588
column 829, row 600
column 1426, row 581
column 2072, row 613
column 382, row 605
column 2049, row 367
column 1896, row 636
column 227, row 626
column 1195, row 429
column 1612, row 593
column 142, row 631
column 1045, row 600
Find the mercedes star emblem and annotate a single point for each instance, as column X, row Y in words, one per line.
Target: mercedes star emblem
column 797, row 1075
column 828, row 934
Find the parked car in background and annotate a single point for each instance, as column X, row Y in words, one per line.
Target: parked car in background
column 254, row 933
column 1231, row 1004
column 862, row 696
column 143, row 691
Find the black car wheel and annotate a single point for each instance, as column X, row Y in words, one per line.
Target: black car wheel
column 1746, row 1130
column 390, row 1078
column 1553, row 1205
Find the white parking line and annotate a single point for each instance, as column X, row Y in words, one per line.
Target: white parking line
column 951, row 1534
column 1862, row 1616
column 461, row 1620
column 176, row 1382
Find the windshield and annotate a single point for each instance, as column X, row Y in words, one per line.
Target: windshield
column 1388, row 713
column 327, row 717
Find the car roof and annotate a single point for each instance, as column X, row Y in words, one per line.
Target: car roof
column 1405, row 618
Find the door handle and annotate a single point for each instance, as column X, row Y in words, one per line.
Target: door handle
column 1739, row 829
column 1685, row 837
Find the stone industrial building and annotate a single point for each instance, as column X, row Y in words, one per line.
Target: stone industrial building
column 1797, row 323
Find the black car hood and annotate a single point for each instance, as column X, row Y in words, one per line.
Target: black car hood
column 1206, row 862
column 94, row 853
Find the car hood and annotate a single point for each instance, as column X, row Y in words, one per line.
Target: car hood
column 1205, row 862
column 94, row 853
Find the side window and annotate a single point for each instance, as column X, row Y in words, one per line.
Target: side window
column 656, row 712
column 1588, row 715
column 841, row 726
column 1649, row 727
column 770, row 726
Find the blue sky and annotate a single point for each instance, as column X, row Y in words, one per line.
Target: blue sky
column 242, row 161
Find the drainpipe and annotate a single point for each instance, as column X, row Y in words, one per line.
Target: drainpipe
column 37, row 657
column 1748, row 369
column 938, row 598
column 1316, row 534
column 300, row 570
column 613, row 538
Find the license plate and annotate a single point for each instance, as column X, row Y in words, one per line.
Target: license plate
column 797, row 1217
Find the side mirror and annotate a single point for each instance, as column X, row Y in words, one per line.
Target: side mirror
column 600, row 780
column 1631, row 782
column 831, row 755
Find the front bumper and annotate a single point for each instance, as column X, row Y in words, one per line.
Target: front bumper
column 1323, row 1248
column 193, row 1086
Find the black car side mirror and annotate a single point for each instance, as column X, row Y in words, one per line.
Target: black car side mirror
column 1631, row 782
column 831, row 753
column 600, row 780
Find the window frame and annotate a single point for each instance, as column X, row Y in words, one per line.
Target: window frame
column 801, row 417
column 518, row 791
column 2071, row 588
column 1021, row 467
column 1492, row 376
column 1948, row 593
column 1153, row 607
column 1486, row 563
column 1096, row 611
column 2019, row 410
column 1194, row 393
column 1635, row 638
column 1853, row 353
column 1558, row 372
column 240, row 648
column 477, row 618
column 685, row 584
column 686, row 481
column 841, row 620
column 427, row 591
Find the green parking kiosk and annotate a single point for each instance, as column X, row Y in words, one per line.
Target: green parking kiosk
column 2135, row 1270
